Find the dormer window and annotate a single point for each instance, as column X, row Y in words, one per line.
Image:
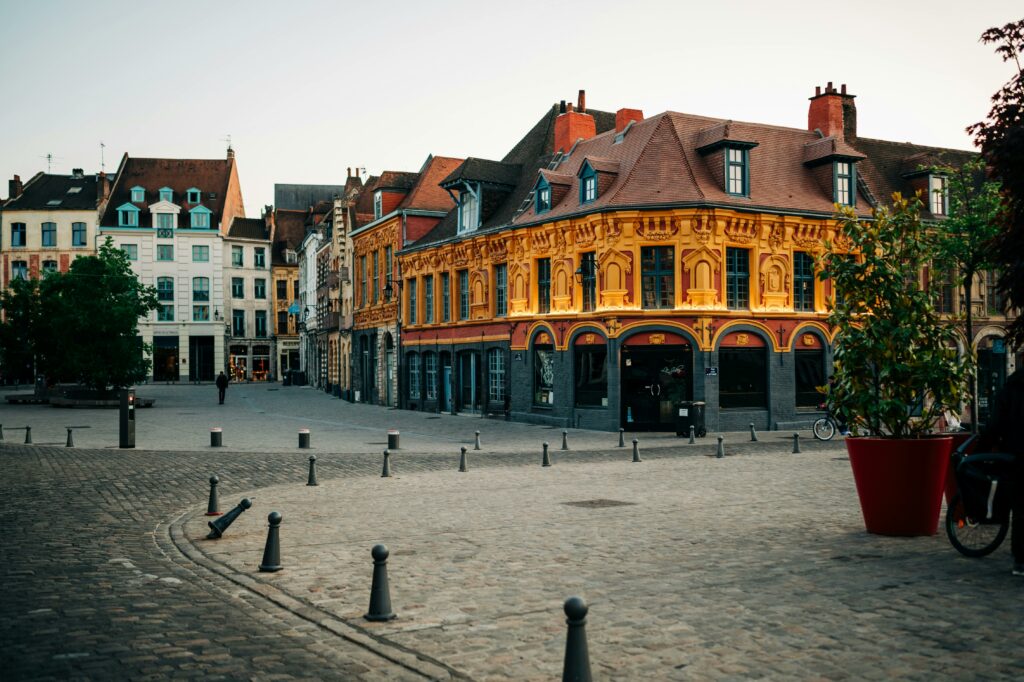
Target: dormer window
column 543, row 196
column 127, row 216
column 164, row 221
column 588, row 184
column 938, row 193
column 469, row 208
column 138, row 195
column 167, row 194
column 844, row 176
column 378, row 204
column 200, row 217
column 193, row 195
column 737, row 175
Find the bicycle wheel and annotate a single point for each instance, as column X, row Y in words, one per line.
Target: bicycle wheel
column 969, row 537
column 824, row 429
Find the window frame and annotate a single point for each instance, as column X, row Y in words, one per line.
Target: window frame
column 411, row 285
column 938, row 196
column 658, row 274
column 166, row 194
column 165, row 293
column 238, row 288
column 542, row 196
column 48, row 227
column 588, row 283
column 201, row 249
column 16, row 230
column 19, row 270
column 737, row 282
column 237, row 256
column 844, row 182
column 543, row 286
column 469, row 209
column 428, row 299
column 743, row 164
column 162, row 250
column 131, row 251
column 446, row 297
column 257, row 316
column 463, row 281
column 79, row 234
column 588, row 184
column 496, row 372
column 415, row 386
column 501, row 290
column 259, row 257
column 259, row 289
column 201, row 312
column 803, row 282
column 430, row 375
column 201, row 293
column 138, row 195
column 238, row 330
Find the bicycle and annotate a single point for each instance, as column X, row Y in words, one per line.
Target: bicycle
column 825, row 427
column 978, row 515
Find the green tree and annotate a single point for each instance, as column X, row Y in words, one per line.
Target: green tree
column 20, row 329
column 89, row 328
column 895, row 355
column 1001, row 139
column 964, row 244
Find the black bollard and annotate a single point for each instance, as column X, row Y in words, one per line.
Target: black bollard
column 545, row 460
column 693, row 432
column 312, row 471
column 476, row 445
column 28, row 435
column 576, row 667
column 216, row 437
column 272, row 550
column 213, row 506
column 1, row 432
column 386, row 473
column 565, row 440
column 304, row 439
column 462, row 459
column 636, row 450
column 796, row 443
column 71, row 441
column 622, row 438
column 218, row 527
column 721, row 448
column 753, row 433
column 380, row 593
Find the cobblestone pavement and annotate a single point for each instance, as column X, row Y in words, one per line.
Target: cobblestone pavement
column 752, row 566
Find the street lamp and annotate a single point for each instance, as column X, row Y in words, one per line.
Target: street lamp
column 389, row 288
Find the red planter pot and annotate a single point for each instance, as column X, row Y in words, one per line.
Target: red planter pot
column 900, row 482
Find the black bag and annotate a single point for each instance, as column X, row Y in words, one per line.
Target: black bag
column 985, row 483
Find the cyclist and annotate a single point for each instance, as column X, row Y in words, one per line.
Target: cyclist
column 1006, row 435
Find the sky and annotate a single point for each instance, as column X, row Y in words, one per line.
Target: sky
column 306, row 89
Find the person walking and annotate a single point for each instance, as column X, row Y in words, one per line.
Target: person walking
column 222, row 386
column 1007, row 435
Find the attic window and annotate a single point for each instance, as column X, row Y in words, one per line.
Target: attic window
column 74, row 190
column 138, row 195
column 938, row 193
column 194, row 196
column 588, row 184
column 543, row 196
column 844, row 176
column 469, row 209
column 378, row 204
column 737, row 175
column 290, row 257
column 166, row 194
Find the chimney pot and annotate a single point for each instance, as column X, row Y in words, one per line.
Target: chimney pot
column 581, row 102
column 568, row 107
column 561, row 107
column 843, row 88
column 817, row 91
column 829, row 87
column 14, row 187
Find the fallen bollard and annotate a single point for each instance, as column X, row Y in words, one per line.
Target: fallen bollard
column 693, row 432
column 218, row 527
column 721, row 448
column 636, row 450
column 272, row 550
column 312, row 471
column 304, row 439
column 213, row 506
column 546, row 459
column 380, row 592
column 476, row 445
column 462, row 459
column 622, row 438
column 216, row 437
column 753, row 433
column 796, row 443
column 576, row 667
column 71, row 441
column 386, row 473
column 565, row 440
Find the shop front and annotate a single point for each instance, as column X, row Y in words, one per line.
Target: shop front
column 656, row 373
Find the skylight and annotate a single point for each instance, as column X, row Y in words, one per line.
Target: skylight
column 54, row 202
column 74, row 190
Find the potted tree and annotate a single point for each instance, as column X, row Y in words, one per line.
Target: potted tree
column 896, row 366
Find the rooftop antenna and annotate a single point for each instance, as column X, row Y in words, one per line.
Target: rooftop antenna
column 50, row 158
column 103, row 165
column 228, row 140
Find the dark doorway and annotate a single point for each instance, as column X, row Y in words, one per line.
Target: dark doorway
column 469, row 381
column 654, row 379
column 165, row 358
column 446, row 382
column 200, row 352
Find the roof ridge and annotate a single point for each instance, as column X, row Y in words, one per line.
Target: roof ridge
column 641, row 157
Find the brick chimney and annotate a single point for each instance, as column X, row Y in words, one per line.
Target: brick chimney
column 14, row 187
column 624, row 116
column 231, row 153
column 574, row 125
column 833, row 113
column 102, row 187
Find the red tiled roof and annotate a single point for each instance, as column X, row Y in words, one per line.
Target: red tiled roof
column 289, row 229
column 427, row 194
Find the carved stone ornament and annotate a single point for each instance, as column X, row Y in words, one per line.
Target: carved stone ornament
column 702, row 228
column 657, row 229
column 741, row 230
column 808, row 236
column 777, row 236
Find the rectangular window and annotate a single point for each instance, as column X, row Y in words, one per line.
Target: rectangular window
column 127, row 218
column 167, row 194
column 238, row 323
column 260, row 288
column 463, row 294
column 543, row 199
column 49, row 234
column 295, row 289
column 19, row 269
column 590, row 375
column 588, row 274
column 17, row 234
column 544, row 285
column 200, row 288
column 589, row 189
column 362, row 281
column 165, row 251
column 446, row 297
column 165, row 313
column 201, row 219
column 165, row 289
column 657, row 280
column 543, row 375
column 378, row 204
column 131, row 250
column 938, row 190
column 261, row 324
column 743, row 377
column 200, row 313
column 193, row 196
column 496, row 375
column 282, row 321
column 993, row 298
column 467, row 211
column 942, row 293
column 282, row 289
column 810, row 373
column 430, row 365
column 737, row 278
column 414, row 375
column 236, row 256
column 165, row 220
column 237, row 287
column 376, row 277
column 736, row 171
column 428, row 299
column 200, row 254
column 501, row 290
column 803, row 282
column 77, row 234
column 388, row 270
column 259, row 257
column 138, row 195
column 411, row 284
column 49, row 267
column 844, row 179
